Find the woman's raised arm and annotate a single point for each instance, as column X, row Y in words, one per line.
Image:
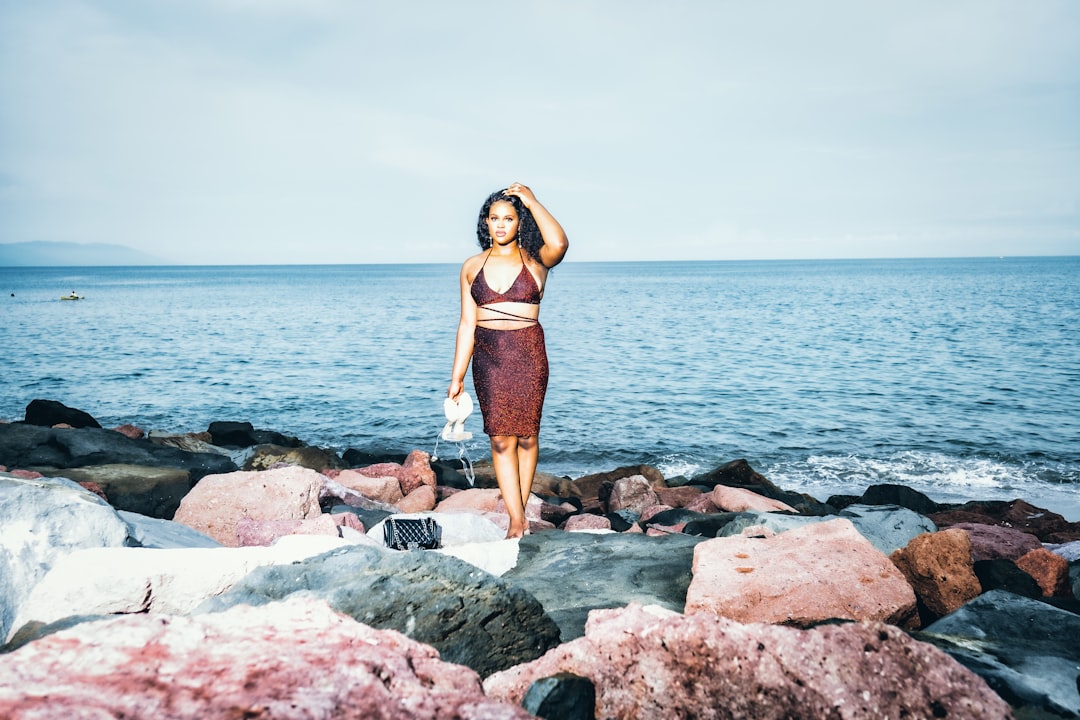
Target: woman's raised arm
column 555, row 240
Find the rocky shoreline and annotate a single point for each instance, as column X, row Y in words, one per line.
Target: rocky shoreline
column 239, row 572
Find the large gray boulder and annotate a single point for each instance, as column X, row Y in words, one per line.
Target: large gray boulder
column 470, row 617
column 41, row 521
column 573, row 573
column 1026, row 650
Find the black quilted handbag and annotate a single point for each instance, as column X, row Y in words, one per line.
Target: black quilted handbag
column 412, row 533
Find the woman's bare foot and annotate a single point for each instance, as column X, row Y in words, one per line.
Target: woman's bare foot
column 513, row 533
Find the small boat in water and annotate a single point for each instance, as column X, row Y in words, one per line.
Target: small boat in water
column 72, row 296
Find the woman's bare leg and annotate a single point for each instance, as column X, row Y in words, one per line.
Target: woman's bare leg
column 528, row 452
column 504, row 458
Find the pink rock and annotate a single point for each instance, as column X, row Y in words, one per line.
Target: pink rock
column 632, row 493
column 586, row 521
column 816, row 572
column 533, row 508
column 94, row 488
column 251, row 532
column 703, row 504
column 385, row 489
column 738, row 500
column 421, row 499
column 218, row 502
column 991, row 542
column 652, row 664
column 678, row 497
column 652, row 511
column 29, row 475
column 347, row 519
column 284, row 660
column 555, row 514
column 940, row 569
column 481, row 500
column 416, row 471
column 1051, row 571
column 130, row 431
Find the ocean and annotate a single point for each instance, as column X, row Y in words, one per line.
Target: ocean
column 957, row 377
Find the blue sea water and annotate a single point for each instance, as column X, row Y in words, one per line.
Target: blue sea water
column 958, row 377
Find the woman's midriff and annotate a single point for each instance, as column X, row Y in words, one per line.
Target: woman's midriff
column 487, row 317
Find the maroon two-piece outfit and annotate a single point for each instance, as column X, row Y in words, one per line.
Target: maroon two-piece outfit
column 510, row 367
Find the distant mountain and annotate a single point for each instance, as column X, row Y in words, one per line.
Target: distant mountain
column 30, row 254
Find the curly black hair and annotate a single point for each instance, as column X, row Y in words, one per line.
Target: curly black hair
column 529, row 238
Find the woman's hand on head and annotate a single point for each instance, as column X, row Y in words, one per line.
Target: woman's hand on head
column 522, row 192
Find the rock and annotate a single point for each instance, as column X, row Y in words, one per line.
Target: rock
column 480, row 500
column 1049, row 527
column 150, row 532
column 251, row 532
column 800, row 577
column 242, row 435
column 737, row 500
column 902, row 495
column 940, row 569
column 43, row 520
column 1050, row 571
column 385, row 489
column 631, row 493
column 471, row 617
column 264, row 457
column 286, row 661
column 586, row 521
column 47, row 413
column 31, row 447
column 1070, row 551
column 420, row 499
column 1002, row 574
column 218, row 502
column 563, row 696
column 367, row 518
column 151, row 491
column 130, row 431
column 589, row 485
column 573, row 573
column 113, row 580
column 189, row 442
column 990, row 542
column 411, row 474
column 739, row 474
column 650, row 664
column 1026, row 650
column 703, row 505
column 679, row 497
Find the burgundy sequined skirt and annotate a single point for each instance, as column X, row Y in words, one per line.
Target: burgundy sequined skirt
column 510, row 375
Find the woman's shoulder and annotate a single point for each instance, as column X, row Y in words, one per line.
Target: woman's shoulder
column 472, row 265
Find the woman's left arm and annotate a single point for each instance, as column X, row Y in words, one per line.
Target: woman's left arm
column 555, row 240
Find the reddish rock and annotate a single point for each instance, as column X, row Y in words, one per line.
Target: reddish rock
column 649, row 663
column 651, row 511
column 416, row 471
column 251, row 532
column 217, row 502
column 533, row 508
column 347, row 519
column 284, row 660
column 662, row 530
column 589, row 485
column 678, row 497
column 421, row 499
column 1048, row 526
column 632, row 493
column 130, row 431
column 940, row 569
column 385, row 489
column 739, row 500
column 94, row 488
column 799, row 577
column 556, row 513
column 703, row 504
column 480, row 500
column 26, row 474
column 586, row 521
column 1050, row 570
column 993, row 542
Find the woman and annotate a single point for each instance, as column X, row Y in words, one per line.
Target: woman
column 501, row 289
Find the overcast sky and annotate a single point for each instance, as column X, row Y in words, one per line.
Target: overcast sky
column 336, row 131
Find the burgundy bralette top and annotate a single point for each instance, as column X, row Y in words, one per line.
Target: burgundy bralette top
column 524, row 289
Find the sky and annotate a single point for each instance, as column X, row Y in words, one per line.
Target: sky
column 353, row 131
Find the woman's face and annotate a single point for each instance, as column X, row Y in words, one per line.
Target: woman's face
column 502, row 222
